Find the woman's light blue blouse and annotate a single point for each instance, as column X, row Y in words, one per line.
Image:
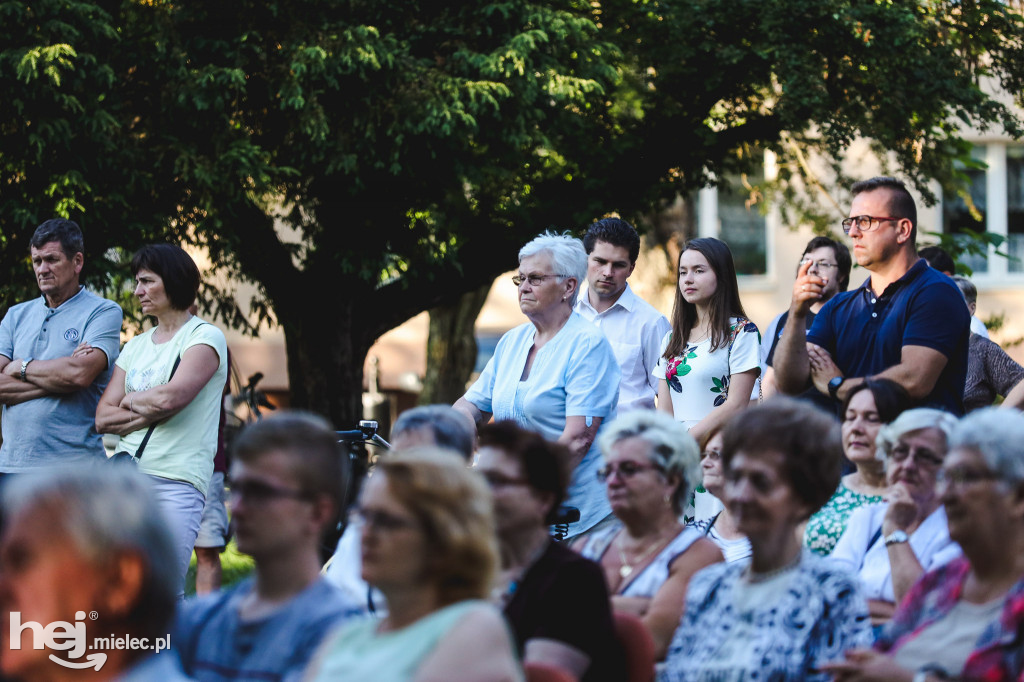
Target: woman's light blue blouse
column 575, row 374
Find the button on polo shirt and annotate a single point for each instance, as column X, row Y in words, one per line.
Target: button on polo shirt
column 866, row 333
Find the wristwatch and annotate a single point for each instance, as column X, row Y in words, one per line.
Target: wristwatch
column 24, row 366
column 833, row 387
column 896, row 537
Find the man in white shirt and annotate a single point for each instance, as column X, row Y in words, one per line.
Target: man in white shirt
column 634, row 327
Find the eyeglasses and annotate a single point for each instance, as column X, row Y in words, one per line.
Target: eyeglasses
column 381, row 520
column 534, row 280
column 262, row 493
column 819, row 264
column 713, row 455
column 923, row 457
column 964, row 476
column 865, row 223
column 625, row 470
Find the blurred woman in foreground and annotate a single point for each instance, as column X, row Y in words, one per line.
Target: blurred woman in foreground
column 786, row 612
column 429, row 546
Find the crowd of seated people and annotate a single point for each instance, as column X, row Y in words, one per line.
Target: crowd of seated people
column 880, row 539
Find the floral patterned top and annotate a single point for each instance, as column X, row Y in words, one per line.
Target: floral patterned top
column 826, row 526
column 998, row 654
column 699, row 378
column 777, row 629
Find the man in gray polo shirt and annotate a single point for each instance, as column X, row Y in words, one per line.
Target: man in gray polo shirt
column 56, row 355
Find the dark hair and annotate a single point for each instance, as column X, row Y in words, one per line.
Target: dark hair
column 449, row 427
column 938, row 259
column 175, row 267
column 901, row 203
column 318, row 462
column 60, row 230
column 890, row 398
column 808, row 439
column 544, row 463
column 725, row 302
column 842, row 255
column 616, row 232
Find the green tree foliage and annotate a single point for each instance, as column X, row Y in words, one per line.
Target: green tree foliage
column 364, row 161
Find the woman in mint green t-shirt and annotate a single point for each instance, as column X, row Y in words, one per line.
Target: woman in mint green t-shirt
column 164, row 397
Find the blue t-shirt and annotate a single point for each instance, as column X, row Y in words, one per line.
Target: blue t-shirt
column 59, row 428
column 573, row 374
column 214, row 644
column 866, row 334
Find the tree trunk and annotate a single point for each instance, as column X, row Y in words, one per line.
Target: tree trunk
column 451, row 348
column 326, row 347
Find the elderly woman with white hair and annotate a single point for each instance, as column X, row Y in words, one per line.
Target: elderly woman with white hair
column 556, row 374
column 965, row 620
column 650, row 467
column 890, row 545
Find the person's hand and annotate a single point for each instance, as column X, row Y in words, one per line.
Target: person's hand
column 807, row 290
column 865, row 665
column 13, row 368
column 902, row 509
column 823, row 367
column 82, row 350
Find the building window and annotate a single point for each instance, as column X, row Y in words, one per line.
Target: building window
column 742, row 226
column 956, row 215
column 1015, row 208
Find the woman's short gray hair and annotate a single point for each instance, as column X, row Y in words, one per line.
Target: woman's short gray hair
column 568, row 257
column 998, row 435
column 912, row 420
column 673, row 449
column 106, row 510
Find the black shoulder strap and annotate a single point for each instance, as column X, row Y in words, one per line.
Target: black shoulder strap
column 149, row 432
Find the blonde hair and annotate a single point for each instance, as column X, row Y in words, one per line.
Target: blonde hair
column 453, row 507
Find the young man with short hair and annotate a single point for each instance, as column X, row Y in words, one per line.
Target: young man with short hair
column 288, row 475
column 634, row 327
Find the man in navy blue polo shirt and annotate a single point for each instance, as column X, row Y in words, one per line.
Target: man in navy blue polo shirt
column 905, row 323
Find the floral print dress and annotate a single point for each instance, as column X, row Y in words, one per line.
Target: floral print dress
column 698, row 382
column 826, row 526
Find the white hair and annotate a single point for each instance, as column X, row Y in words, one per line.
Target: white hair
column 673, row 449
column 998, row 436
column 912, row 420
column 568, row 257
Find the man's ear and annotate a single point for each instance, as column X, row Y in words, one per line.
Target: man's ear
column 127, row 572
column 79, row 260
column 904, row 228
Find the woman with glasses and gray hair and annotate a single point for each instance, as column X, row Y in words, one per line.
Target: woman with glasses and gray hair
column 965, row 620
column 651, row 465
column 556, row 374
column 890, row 545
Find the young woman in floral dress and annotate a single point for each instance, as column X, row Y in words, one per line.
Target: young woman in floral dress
column 709, row 364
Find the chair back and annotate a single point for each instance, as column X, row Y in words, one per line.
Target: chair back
column 542, row 672
column 637, row 645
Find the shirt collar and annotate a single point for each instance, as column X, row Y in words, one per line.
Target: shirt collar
column 915, row 271
column 627, row 299
column 46, row 304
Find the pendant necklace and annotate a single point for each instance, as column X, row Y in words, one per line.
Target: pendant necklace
column 627, row 566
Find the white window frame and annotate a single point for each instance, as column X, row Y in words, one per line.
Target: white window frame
column 709, row 224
